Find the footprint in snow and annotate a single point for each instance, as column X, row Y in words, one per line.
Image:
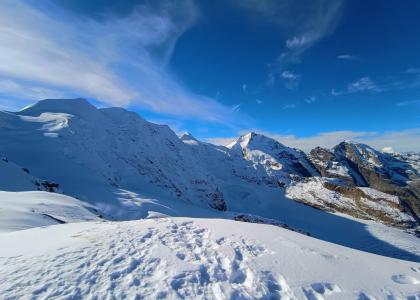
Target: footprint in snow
column 405, row 279
column 364, row 296
column 318, row 290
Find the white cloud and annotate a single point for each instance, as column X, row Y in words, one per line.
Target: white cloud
column 118, row 60
column 401, row 141
column 406, row 103
column 288, row 106
column 222, row 141
column 26, row 91
column 310, row 99
column 347, row 57
column 290, row 79
column 296, row 42
column 259, row 101
column 318, row 20
column 289, row 75
column 361, row 85
column 364, row 84
column 306, row 22
column 236, row 107
column 413, row 71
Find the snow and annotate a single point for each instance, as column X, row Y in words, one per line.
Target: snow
column 173, row 258
column 377, row 194
column 14, row 178
column 313, row 191
column 338, row 169
column 113, row 163
column 23, row 210
column 128, row 168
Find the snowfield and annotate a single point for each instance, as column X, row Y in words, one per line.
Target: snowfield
column 23, row 210
column 69, row 171
column 168, row 258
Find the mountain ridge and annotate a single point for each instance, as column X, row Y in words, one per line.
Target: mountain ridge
column 128, row 168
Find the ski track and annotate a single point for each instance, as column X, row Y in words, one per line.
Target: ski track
column 167, row 259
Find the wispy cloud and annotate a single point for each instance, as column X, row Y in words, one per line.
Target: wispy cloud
column 307, row 22
column 288, row 106
column 27, row 91
column 258, row 101
column 236, row 107
column 310, row 99
column 401, row 141
column 244, row 88
column 411, row 102
column 311, row 25
column 289, row 75
column 413, row 71
column 347, row 57
column 364, row 84
column 290, row 79
column 118, row 60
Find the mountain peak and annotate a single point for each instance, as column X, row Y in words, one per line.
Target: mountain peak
column 76, row 106
column 256, row 140
column 188, row 138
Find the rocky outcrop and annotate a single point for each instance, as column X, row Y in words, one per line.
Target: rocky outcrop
column 361, row 202
column 363, row 166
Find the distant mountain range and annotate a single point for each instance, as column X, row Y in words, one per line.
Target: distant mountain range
column 113, row 160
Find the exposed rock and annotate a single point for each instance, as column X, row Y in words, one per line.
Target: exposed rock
column 217, row 201
column 361, row 202
column 260, row 220
column 362, row 165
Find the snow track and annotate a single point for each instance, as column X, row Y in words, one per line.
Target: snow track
column 179, row 258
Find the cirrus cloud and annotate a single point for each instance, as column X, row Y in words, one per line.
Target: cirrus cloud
column 117, row 60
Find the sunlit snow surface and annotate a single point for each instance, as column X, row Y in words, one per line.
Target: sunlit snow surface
column 193, row 259
column 110, row 162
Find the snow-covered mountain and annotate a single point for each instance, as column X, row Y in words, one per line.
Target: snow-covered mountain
column 363, row 166
column 26, row 201
column 66, row 161
column 128, row 168
column 279, row 162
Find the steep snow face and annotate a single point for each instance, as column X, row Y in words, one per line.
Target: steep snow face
column 96, row 153
column 277, row 160
column 181, row 258
column 15, row 178
column 129, row 168
column 84, row 148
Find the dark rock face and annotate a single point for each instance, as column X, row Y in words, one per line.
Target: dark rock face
column 217, row 201
column 362, row 165
column 248, row 218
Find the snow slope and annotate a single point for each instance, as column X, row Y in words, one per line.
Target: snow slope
column 23, row 210
column 24, row 202
column 168, row 258
column 128, row 168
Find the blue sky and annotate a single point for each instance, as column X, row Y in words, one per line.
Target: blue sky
column 306, row 73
